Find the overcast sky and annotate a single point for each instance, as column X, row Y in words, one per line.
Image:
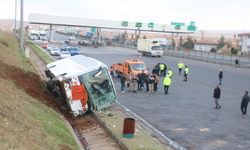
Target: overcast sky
column 207, row 14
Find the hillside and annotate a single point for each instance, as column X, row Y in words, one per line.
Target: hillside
column 25, row 121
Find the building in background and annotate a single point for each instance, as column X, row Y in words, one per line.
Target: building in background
column 245, row 42
column 207, row 46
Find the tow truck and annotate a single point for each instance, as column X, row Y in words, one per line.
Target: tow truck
column 82, row 82
column 134, row 66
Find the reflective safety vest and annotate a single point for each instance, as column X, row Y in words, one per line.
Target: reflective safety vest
column 167, row 81
column 162, row 66
column 180, row 65
column 170, row 73
column 186, row 71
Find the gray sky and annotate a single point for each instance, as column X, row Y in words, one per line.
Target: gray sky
column 207, row 14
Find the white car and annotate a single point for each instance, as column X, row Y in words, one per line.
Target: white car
column 71, row 38
column 64, row 54
column 49, row 47
column 54, row 51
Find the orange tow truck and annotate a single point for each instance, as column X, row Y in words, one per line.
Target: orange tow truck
column 129, row 67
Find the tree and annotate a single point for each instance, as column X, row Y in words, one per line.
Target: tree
column 221, row 42
column 189, row 44
column 234, row 50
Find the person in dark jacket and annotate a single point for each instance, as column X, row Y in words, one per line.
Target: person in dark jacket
column 220, row 76
column 156, row 69
column 244, row 103
column 123, row 82
column 217, row 93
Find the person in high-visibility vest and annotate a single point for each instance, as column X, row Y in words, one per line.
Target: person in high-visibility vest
column 166, row 83
column 162, row 68
column 180, row 66
column 186, row 73
column 170, row 73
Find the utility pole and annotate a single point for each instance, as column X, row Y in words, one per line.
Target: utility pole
column 21, row 27
column 15, row 15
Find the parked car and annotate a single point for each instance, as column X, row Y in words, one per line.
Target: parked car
column 71, row 38
column 74, row 51
column 64, row 54
column 55, row 51
column 84, row 42
column 50, row 47
column 65, row 48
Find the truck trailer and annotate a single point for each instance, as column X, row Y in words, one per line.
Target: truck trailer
column 149, row 47
column 83, row 83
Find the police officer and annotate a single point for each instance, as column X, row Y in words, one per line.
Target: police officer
column 166, row 83
column 170, row 72
column 162, row 68
column 180, row 66
column 186, row 73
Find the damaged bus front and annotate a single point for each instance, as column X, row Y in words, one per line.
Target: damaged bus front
column 82, row 82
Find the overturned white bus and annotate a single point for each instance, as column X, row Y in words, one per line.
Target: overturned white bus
column 83, row 82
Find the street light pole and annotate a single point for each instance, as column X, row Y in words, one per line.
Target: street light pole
column 21, row 27
column 15, row 15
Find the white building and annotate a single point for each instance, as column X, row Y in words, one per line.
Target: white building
column 245, row 42
column 205, row 46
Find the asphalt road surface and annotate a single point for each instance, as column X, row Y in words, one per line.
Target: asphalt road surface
column 187, row 115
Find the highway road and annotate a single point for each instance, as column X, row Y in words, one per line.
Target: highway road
column 187, row 115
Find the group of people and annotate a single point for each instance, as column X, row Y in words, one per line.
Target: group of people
column 137, row 82
column 217, row 92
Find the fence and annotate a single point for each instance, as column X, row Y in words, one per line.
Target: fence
column 210, row 57
column 204, row 56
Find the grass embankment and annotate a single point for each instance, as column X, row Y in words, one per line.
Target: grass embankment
column 25, row 122
column 40, row 53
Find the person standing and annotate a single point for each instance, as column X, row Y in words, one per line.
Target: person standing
column 170, row 72
column 162, row 68
column 244, row 103
column 123, row 83
column 166, row 83
column 216, row 96
column 151, row 83
column 186, row 73
column 156, row 69
column 180, row 66
column 220, row 76
column 156, row 82
column 134, row 83
column 165, row 69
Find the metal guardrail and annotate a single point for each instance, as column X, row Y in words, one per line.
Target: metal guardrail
column 212, row 57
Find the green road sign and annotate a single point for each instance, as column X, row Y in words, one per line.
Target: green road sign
column 177, row 24
column 138, row 24
column 191, row 26
column 124, row 24
column 151, row 25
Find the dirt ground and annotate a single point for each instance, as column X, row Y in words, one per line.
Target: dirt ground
column 89, row 131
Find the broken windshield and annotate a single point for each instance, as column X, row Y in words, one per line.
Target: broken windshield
column 99, row 86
